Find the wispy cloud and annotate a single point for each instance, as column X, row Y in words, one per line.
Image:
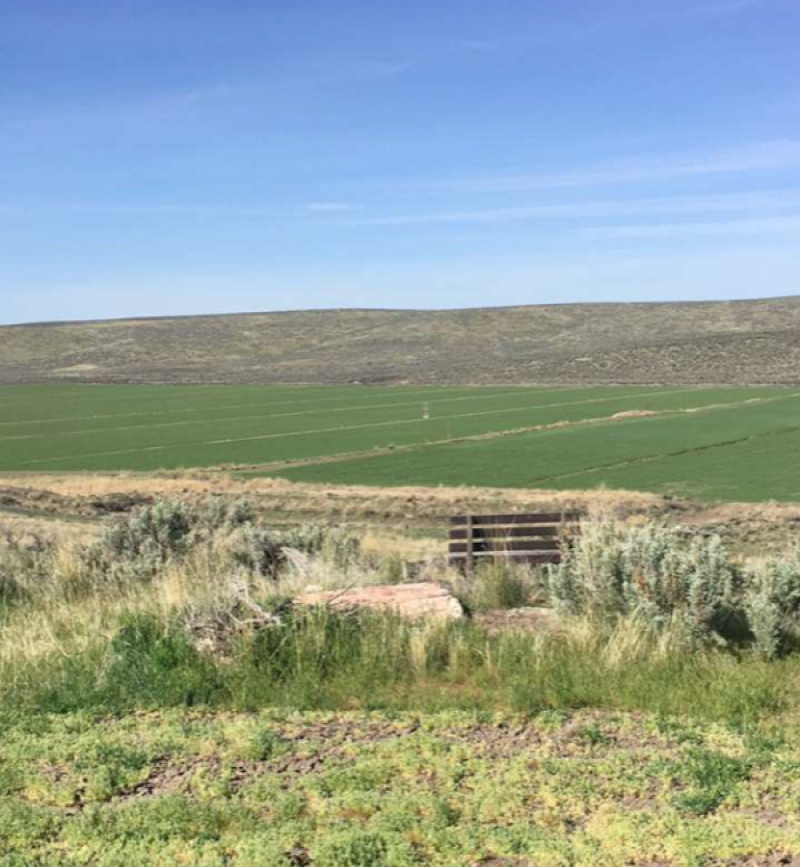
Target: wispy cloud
column 723, row 228
column 189, row 209
column 759, row 200
column 141, row 106
column 329, row 207
column 760, row 156
column 164, row 105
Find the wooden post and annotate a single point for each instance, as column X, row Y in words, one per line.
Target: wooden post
column 470, row 547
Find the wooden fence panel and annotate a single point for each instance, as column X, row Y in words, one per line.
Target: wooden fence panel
column 536, row 531
column 526, row 537
column 519, row 518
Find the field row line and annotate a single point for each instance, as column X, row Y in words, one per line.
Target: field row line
column 411, row 446
column 245, row 405
column 663, row 455
column 352, row 408
column 232, row 419
column 191, row 390
column 343, row 457
column 170, row 411
column 287, row 434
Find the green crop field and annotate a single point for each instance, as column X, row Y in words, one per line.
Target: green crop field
column 711, row 443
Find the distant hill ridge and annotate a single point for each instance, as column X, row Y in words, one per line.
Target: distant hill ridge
column 737, row 342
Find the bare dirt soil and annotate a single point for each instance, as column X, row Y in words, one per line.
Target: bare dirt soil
column 410, row 522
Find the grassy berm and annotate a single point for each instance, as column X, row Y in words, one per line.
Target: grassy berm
column 163, row 703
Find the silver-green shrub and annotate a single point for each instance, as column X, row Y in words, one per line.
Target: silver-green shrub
column 138, row 545
column 336, row 545
column 591, row 575
column 651, row 572
column 255, row 550
column 772, row 601
column 220, row 515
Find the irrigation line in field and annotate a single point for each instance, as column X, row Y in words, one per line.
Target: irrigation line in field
column 346, row 457
column 337, row 429
column 341, row 428
column 196, row 421
column 173, row 411
column 645, row 459
column 231, row 419
column 283, row 403
column 165, row 399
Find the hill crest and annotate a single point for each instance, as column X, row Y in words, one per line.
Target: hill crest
column 713, row 342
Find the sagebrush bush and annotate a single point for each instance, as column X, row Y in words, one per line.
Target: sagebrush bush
column 139, row 545
column 220, row 514
column 255, row 550
column 650, row 572
column 336, row 545
column 772, row 602
column 656, row 574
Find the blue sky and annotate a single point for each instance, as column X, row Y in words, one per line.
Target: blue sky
column 163, row 157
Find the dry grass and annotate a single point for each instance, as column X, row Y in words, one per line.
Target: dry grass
column 67, row 618
column 408, row 522
column 389, row 543
column 175, row 484
column 50, row 529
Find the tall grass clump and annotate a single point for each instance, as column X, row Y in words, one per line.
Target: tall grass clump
column 19, row 566
column 501, row 584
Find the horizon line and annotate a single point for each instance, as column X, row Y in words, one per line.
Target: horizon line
column 289, row 312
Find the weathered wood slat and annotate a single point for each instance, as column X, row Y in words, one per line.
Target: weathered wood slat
column 517, row 556
column 499, row 547
column 470, row 561
column 524, row 537
column 535, row 531
column 522, row 518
